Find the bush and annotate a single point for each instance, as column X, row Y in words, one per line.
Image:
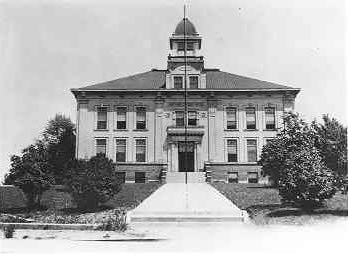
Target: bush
column 306, row 181
column 294, row 164
column 8, row 231
column 116, row 222
column 92, row 182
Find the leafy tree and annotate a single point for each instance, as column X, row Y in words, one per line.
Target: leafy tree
column 331, row 140
column 31, row 172
column 59, row 138
column 295, row 166
column 92, row 182
column 306, row 180
column 41, row 164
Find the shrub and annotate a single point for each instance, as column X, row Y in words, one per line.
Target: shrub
column 115, row 222
column 92, row 182
column 8, row 231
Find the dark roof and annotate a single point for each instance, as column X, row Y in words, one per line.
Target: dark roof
column 190, row 28
column 155, row 79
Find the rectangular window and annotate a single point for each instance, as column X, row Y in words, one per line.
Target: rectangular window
column 193, row 82
column 190, row 46
column 232, row 150
column 140, row 118
column 251, row 118
column 121, row 122
column 140, row 150
column 140, row 177
column 102, row 118
column 231, row 116
column 232, row 177
column 181, row 46
column 121, row 150
column 253, row 177
column 178, row 82
column 270, row 118
column 179, row 118
column 252, row 150
column 192, row 118
column 120, row 177
column 101, row 146
column 268, row 140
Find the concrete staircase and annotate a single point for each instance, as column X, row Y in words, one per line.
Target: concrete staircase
column 179, row 177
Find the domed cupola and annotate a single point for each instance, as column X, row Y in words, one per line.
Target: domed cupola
column 190, row 28
column 185, row 31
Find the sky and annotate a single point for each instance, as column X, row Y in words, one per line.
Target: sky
column 48, row 47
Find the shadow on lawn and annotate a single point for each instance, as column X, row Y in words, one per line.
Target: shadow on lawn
column 283, row 210
column 300, row 212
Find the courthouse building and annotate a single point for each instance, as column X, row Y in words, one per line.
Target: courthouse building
column 138, row 121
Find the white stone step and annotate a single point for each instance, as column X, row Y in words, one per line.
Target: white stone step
column 179, row 177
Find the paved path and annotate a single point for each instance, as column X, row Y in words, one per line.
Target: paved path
column 189, row 202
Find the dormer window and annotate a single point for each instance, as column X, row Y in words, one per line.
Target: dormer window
column 194, row 82
column 178, row 82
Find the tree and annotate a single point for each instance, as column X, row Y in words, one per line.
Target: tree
column 59, row 138
column 306, row 181
column 92, row 182
column 41, row 164
column 31, row 172
column 294, row 164
column 331, row 141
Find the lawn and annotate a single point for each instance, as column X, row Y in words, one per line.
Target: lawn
column 264, row 205
column 128, row 198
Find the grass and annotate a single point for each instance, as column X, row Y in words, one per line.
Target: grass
column 264, row 205
column 131, row 195
column 107, row 215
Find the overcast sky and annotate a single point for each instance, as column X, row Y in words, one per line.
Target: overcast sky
column 48, row 47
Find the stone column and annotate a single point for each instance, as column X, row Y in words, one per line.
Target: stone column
column 212, row 102
column 159, row 132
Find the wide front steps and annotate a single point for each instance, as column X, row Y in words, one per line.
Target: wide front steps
column 179, row 177
column 180, row 202
column 186, row 217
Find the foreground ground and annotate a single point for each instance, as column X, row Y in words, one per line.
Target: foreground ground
column 264, row 206
column 188, row 238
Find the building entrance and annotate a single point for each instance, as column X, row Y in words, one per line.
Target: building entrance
column 190, row 159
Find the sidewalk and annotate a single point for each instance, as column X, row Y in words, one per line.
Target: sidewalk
column 174, row 202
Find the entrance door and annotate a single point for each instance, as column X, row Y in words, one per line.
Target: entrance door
column 190, row 157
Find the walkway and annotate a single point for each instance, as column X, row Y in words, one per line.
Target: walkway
column 175, row 202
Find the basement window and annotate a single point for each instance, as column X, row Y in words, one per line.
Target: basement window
column 140, row 177
column 253, row 177
column 232, row 177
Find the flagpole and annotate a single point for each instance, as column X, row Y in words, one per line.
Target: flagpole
column 185, row 94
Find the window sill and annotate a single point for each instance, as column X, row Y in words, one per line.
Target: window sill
column 251, row 129
column 121, row 130
column 270, row 129
column 140, row 130
column 231, row 129
column 101, row 129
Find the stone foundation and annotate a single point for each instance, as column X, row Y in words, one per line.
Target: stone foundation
column 219, row 172
column 153, row 171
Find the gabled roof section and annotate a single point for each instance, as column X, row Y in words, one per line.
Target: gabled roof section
column 223, row 80
column 155, row 80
